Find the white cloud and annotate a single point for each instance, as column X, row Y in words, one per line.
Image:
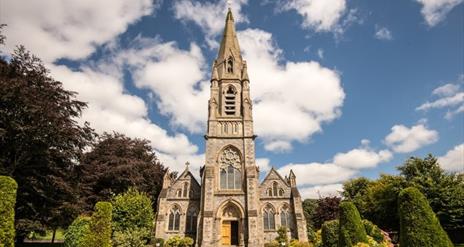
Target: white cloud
column 318, row 173
column 434, row 11
column 450, row 96
column 321, row 191
column 383, row 33
column 111, row 109
column 319, row 15
column 264, row 164
column 182, row 96
column 362, row 158
column 453, row 160
column 447, row 90
column 296, row 97
column 320, row 53
column 68, row 29
column 209, row 16
column 404, row 140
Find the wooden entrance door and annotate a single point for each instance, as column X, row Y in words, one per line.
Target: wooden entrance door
column 226, row 232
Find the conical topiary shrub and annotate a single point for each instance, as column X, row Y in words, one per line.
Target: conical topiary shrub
column 329, row 233
column 351, row 227
column 419, row 227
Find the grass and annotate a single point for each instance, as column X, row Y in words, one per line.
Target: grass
column 48, row 235
column 459, row 245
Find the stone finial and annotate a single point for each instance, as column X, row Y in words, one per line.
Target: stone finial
column 187, row 165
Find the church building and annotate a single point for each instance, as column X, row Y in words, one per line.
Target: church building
column 230, row 206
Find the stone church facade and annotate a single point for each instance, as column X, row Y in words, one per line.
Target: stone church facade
column 230, row 207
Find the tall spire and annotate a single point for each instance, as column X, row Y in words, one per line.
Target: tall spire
column 229, row 44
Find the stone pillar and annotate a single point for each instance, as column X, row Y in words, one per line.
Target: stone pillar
column 207, row 238
column 252, row 196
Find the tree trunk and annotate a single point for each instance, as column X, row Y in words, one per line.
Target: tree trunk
column 53, row 236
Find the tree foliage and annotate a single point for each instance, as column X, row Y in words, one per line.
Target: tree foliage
column 77, row 233
column 132, row 218
column 40, row 141
column 377, row 199
column 8, row 187
column 115, row 164
column 100, row 225
column 351, row 228
column 178, row 241
column 327, row 209
column 419, row 225
column 329, row 233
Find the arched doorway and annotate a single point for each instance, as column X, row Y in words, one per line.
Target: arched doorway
column 230, row 225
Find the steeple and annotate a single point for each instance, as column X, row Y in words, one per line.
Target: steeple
column 229, row 44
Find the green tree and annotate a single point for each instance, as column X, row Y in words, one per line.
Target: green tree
column 444, row 192
column 8, row 187
column 329, row 233
column 351, row 228
column 132, row 217
column 419, row 225
column 327, row 209
column 77, row 233
column 309, row 208
column 116, row 163
column 282, row 236
column 40, row 142
column 100, row 226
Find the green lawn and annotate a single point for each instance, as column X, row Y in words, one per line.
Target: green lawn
column 48, row 235
column 459, row 245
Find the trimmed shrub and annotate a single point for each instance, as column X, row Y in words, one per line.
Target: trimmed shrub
column 178, row 241
column 296, row 243
column 282, row 236
column 77, row 233
column 132, row 216
column 351, row 228
column 329, row 233
column 373, row 231
column 8, row 188
column 133, row 237
column 100, row 225
column 419, row 226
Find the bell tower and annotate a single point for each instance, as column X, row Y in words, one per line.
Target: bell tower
column 230, row 176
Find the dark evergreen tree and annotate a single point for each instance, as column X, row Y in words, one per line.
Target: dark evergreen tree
column 419, row 227
column 116, row 163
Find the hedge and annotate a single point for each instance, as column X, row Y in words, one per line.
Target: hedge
column 178, row 241
column 329, row 233
column 7, row 205
column 77, row 233
column 419, row 226
column 373, row 231
column 351, row 228
column 100, row 225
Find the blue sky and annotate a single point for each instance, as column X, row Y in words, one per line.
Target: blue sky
column 342, row 88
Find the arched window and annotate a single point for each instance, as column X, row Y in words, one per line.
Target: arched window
column 230, row 174
column 274, row 188
column 268, row 218
column 229, row 100
column 285, row 217
column 191, row 220
column 179, row 193
column 231, row 178
column 230, row 65
column 269, row 192
column 185, row 190
column 174, row 219
column 281, row 192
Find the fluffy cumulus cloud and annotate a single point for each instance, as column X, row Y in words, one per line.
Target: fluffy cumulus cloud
column 304, row 94
column 449, row 96
column 318, row 173
column 69, row 29
column 453, row 160
column 320, row 191
column 362, row 158
column 404, row 140
column 434, row 11
column 181, row 96
column 383, row 33
column 208, row 15
column 320, row 15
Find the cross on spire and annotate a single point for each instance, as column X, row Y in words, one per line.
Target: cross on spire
column 229, row 3
column 187, row 165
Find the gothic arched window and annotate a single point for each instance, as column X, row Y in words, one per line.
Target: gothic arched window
column 268, row 218
column 179, row 193
column 274, row 188
column 285, row 217
column 174, row 219
column 185, row 193
column 230, row 65
column 191, row 220
column 269, row 192
column 230, row 166
column 281, row 192
column 229, row 100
